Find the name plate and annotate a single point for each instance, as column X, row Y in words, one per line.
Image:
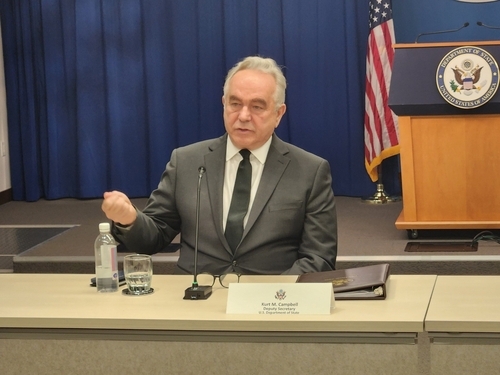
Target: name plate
column 280, row 298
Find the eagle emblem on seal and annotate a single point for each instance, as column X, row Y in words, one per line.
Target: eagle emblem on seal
column 467, row 79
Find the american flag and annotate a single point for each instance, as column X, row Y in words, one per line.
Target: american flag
column 381, row 124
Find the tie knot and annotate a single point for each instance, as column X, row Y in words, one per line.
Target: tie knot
column 245, row 153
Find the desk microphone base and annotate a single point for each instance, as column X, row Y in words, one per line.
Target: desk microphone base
column 198, row 292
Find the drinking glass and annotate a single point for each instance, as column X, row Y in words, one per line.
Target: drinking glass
column 138, row 271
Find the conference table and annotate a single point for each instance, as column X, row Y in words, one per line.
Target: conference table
column 463, row 325
column 57, row 323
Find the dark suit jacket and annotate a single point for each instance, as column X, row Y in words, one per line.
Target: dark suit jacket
column 292, row 226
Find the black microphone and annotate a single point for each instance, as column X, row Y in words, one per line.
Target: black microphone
column 479, row 23
column 201, row 172
column 442, row 32
column 195, row 291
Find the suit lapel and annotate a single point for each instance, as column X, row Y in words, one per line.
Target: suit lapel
column 215, row 162
column 276, row 164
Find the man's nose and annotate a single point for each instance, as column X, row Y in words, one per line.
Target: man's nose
column 244, row 114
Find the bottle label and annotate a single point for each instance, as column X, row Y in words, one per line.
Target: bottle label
column 109, row 261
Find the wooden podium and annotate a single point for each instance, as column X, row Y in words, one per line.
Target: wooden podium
column 450, row 157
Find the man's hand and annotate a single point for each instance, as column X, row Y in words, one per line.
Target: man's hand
column 118, row 208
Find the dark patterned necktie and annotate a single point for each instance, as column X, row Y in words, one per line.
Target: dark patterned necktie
column 239, row 202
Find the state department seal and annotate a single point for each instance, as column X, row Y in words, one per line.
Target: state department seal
column 467, row 77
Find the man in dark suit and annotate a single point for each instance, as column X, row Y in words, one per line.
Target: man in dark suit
column 289, row 222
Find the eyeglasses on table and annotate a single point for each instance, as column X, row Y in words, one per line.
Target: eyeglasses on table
column 207, row 279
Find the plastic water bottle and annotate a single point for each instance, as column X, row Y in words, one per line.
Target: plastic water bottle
column 106, row 263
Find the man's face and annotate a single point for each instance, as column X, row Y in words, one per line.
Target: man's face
column 250, row 114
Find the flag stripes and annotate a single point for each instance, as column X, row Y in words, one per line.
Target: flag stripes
column 381, row 125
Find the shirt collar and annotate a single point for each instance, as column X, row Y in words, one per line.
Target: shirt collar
column 260, row 153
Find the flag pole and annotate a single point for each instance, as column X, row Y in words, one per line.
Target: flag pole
column 380, row 196
column 381, row 124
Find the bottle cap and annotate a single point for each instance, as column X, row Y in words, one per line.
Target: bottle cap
column 104, row 227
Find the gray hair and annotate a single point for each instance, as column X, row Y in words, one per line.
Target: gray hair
column 265, row 65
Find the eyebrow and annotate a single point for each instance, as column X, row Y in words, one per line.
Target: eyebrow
column 253, row 101
column 259, row 101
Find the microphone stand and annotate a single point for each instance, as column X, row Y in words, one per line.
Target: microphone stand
column 195, row 291
column 479, row 23
column 441, row 32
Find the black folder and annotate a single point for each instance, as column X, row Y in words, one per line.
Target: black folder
column 360, row 283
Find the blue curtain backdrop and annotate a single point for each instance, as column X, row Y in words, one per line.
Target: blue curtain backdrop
column 99, row 92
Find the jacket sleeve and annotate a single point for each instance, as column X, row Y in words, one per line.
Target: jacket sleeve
column 158, row 224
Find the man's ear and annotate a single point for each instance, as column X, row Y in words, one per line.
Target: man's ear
column 281, row 111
